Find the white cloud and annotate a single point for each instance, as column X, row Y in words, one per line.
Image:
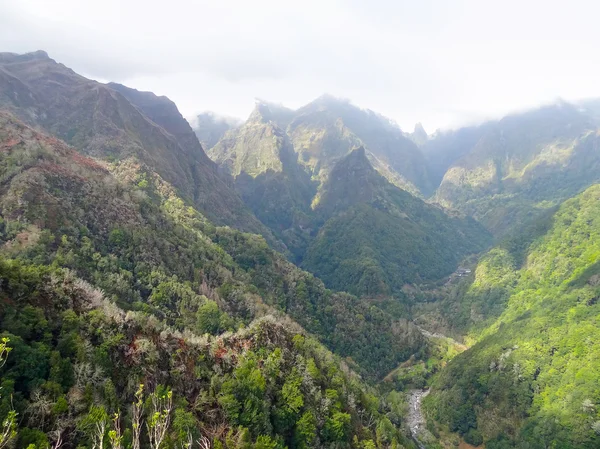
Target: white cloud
column 443, row 63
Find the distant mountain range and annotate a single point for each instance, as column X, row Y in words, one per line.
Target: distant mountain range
column 505, row 173
column 332, row 181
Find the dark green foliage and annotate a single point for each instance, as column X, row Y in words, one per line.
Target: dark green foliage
column 377, row 238
column 348, row 325
column 365, row 235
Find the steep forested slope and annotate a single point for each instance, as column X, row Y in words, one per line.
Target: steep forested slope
column 136, row 239
column 445, row 148
column 80, row 371
column 261, row 158
column 377, row 237
column 532, row 379
column 327, row 129
column 348, row 224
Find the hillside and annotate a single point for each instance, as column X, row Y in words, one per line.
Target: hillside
column 108, row 279
column 510, row 171
column 376, row 238
column 531, row 379
column 312, row 216
column 113, row 122
column 445, row 148
column 321, row 133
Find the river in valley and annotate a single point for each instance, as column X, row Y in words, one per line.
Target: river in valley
column 416, row 421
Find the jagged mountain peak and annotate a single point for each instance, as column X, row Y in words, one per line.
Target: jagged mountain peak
column 506, row 172
column 120, row 124
column 260, row 145
column 355, row 160
column 419, row 128
column 419, row 136
column 370, row 227
column 7, row 57
column 265, row 111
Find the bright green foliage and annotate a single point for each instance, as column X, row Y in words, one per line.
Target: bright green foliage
column 252, row 378
column 305, row 431
column 209, row 318
column 243, row 394
column 105, row 288
column 337, row 427
column 532, row 377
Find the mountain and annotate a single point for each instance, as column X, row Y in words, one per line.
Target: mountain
column 511, row 170
column 107, row 283
column 376, row 238
column 210, row 127
column 261, row 158
column 321, row 133
column 260, row 145
column 115, row 123
column 325, row 130
column 419, row 136
column 273, row 176
column 531, row 378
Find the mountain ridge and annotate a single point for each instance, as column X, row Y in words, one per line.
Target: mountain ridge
column 102, row 122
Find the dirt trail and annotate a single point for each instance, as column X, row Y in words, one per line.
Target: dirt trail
column 451, row 340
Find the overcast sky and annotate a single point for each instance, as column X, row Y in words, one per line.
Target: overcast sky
column 444, row 63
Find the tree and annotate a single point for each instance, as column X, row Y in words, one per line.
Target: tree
column 159, row 417
column 137, row 409
column 94, row 424
column 208, row 318
column 337, row 427
column 9, row 425
column 114, row 435
column 306, row 431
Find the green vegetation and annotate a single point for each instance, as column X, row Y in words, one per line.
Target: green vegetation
column 531, row 380
column 348, row 225
column 115, row 123
column 109, row 280
column 377, row 238
column 77, row 362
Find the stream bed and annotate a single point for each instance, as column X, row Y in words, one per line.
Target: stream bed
column 416, row 421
